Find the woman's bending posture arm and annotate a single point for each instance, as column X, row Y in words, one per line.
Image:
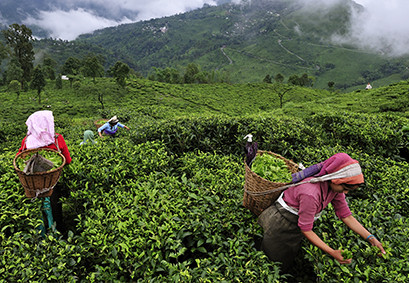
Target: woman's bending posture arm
column 357, row 227
column 314, row 239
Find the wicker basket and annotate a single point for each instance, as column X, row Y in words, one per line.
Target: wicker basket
column 100, row 122
column 40, row 184
column 255, row 183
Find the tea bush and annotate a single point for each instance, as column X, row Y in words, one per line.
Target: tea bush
column 163, row 202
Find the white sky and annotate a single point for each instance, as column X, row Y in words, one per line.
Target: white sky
column 384, row 26
column 74, row 20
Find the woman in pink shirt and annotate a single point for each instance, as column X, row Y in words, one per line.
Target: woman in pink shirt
column 292, row 216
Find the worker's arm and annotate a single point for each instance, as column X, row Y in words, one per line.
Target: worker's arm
column 357, row 227
column 101, row 129
column 315, row 240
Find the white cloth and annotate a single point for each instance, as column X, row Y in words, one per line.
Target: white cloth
column 291, row 209
column 40, row 129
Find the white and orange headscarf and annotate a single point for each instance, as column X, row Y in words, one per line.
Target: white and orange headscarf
column 341, row 169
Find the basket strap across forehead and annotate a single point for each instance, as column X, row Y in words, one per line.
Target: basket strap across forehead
column 347, row 171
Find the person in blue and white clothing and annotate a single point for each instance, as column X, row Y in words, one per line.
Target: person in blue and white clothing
column 110, row 127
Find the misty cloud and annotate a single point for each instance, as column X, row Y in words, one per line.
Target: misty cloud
column 383, row 27
column 70, row 18
column 68, row 25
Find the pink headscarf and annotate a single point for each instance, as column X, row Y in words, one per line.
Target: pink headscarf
column 337, row 162
column 40, row 129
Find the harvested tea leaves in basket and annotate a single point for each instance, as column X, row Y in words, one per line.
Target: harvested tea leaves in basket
column 271, row 168
column 47, row 161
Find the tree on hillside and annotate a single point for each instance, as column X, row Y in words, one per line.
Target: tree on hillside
column 49, row 65
column 293, row 80
column 38, row 82
column 14, row 71
column 281, row 90
column 267, row 79
column 303, row 80
column 120, row 71
column 19, row 38
column 14, row 86
column 331, row 85
column 58, row 82
column 192, row 70
column 71, row 68
column 279, row 78
column 3, row 52
column 167, row 75
column 92, row 66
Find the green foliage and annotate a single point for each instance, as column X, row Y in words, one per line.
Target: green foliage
column 243, row 43
column 19, row 38
column 271, row 168
column 14, row 86
column 58, row 82
column 163, row 201
column 14, row 71
column 55, row 158
column 38, row 81
column 120, row 71
column 49, row 65
column 92, row 67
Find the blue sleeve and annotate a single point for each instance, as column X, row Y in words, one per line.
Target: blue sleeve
column 120, row 125
column 103, row 127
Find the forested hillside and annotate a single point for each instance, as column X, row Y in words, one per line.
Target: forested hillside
column 163, row 202
column 244, row 43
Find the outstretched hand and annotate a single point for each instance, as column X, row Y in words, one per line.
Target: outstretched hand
column 337, row 254
column 374, row 242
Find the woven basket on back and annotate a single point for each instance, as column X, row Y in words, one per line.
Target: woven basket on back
column 100, row 122
column 255, row 183
column 40, row 184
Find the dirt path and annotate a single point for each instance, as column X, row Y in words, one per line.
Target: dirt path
column 224, row 53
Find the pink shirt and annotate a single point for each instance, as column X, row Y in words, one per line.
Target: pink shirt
column 311, row 199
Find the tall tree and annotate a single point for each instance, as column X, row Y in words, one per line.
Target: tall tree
column 58, row 82
column 14, row 86
column 19, row 38
column 3, row 52
column 38, row 81
column 120, row 72
column 71, row 68
column 49, row 68
column 14, row 71
column 192, row 70
column 92, row 66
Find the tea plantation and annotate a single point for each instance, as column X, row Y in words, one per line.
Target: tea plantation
column 163, row 202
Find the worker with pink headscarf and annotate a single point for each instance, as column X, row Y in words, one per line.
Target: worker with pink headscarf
column 292, row 216
column 41, row 134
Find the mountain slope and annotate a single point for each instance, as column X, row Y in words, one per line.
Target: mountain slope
column 247, row 42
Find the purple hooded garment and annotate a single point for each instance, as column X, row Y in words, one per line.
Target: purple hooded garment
column 307, row 172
